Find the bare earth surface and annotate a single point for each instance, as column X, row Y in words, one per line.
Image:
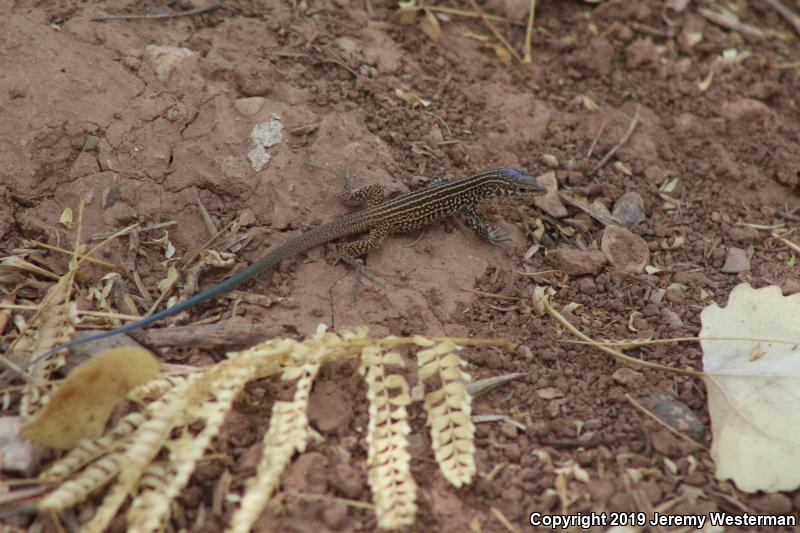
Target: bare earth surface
column 143, row 118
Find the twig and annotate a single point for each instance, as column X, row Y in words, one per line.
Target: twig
column 488, row 24
column 107, row 234
column 621, row 143
column 619, row 356
column 787, row 216
column 490, row 294
column 231, row 332
column 597, row 138
column 98, row 262
column 788, row 243
column 468, row 14
column 606, row 220
column 726, row 19
column 162, row 16
column 207, row 220
column 652, row 415
column 529, row 32
column 786, row 13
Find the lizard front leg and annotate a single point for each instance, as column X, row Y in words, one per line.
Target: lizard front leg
column 371, row 195
column 483, row 230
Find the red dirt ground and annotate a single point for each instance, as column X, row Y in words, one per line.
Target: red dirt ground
column 143, row 118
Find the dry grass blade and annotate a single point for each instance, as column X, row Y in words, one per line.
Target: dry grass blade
column 790, row 16
column 164, row 16
column 620, row 144
column 529, row 32
column 727, row 19
column 542, row 302
column 488, row 23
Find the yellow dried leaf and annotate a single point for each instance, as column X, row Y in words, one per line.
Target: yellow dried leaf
column 622, row 167
column 693, row 38
column 405, row 15
column 412, row 99
column 82, row 404
column 430, row 26
column 588, row 103
column 165, row 284
column 706, row 83
column 502, row 54
column 66, row 218
column 480, row 37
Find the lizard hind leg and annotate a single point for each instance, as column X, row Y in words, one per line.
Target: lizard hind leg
column 350, row 253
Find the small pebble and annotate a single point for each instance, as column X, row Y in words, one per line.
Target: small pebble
column 626, row 376
column 666, row 443
column 335, row 515
column 675, row 414
column 736, row 261
column 625, row 251
column 513, row 452
column 629, row 209
column 91, row 143
column 587, row 286
column 745, row 110
column 744, row 234
column 574, row 262
column 550, row 203
column 671, row 318
column 550, row 160
column 249, row 106
column 773, row 504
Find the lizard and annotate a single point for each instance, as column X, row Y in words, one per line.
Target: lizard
column 440, row 199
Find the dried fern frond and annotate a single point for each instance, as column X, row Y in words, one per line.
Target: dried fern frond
column 145, row 445
column 74, row 491
column 449, row 411
column 154, row 389
column 90, row 449
column 394, row 491
column 287, row 434
column 151, row 507
column 167, row 429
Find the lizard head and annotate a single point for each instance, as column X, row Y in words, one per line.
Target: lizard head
column 510, row 182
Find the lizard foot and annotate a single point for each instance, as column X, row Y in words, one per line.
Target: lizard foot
column 496, row 237
column 363, row 272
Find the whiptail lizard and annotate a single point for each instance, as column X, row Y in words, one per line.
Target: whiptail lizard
column 440, row 199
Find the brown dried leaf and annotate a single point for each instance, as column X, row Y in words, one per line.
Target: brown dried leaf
column 83, row 403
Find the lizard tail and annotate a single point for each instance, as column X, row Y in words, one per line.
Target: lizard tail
column 306, row 241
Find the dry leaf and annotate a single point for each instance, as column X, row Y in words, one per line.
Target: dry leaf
column 588, row 103
column 411, row 98
column 706, row 83
column 502, row 54
column 165, row 284
column 405, row 15
column 82, row 404
column 753, row 401
column 66, row 218
column 430, row 26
